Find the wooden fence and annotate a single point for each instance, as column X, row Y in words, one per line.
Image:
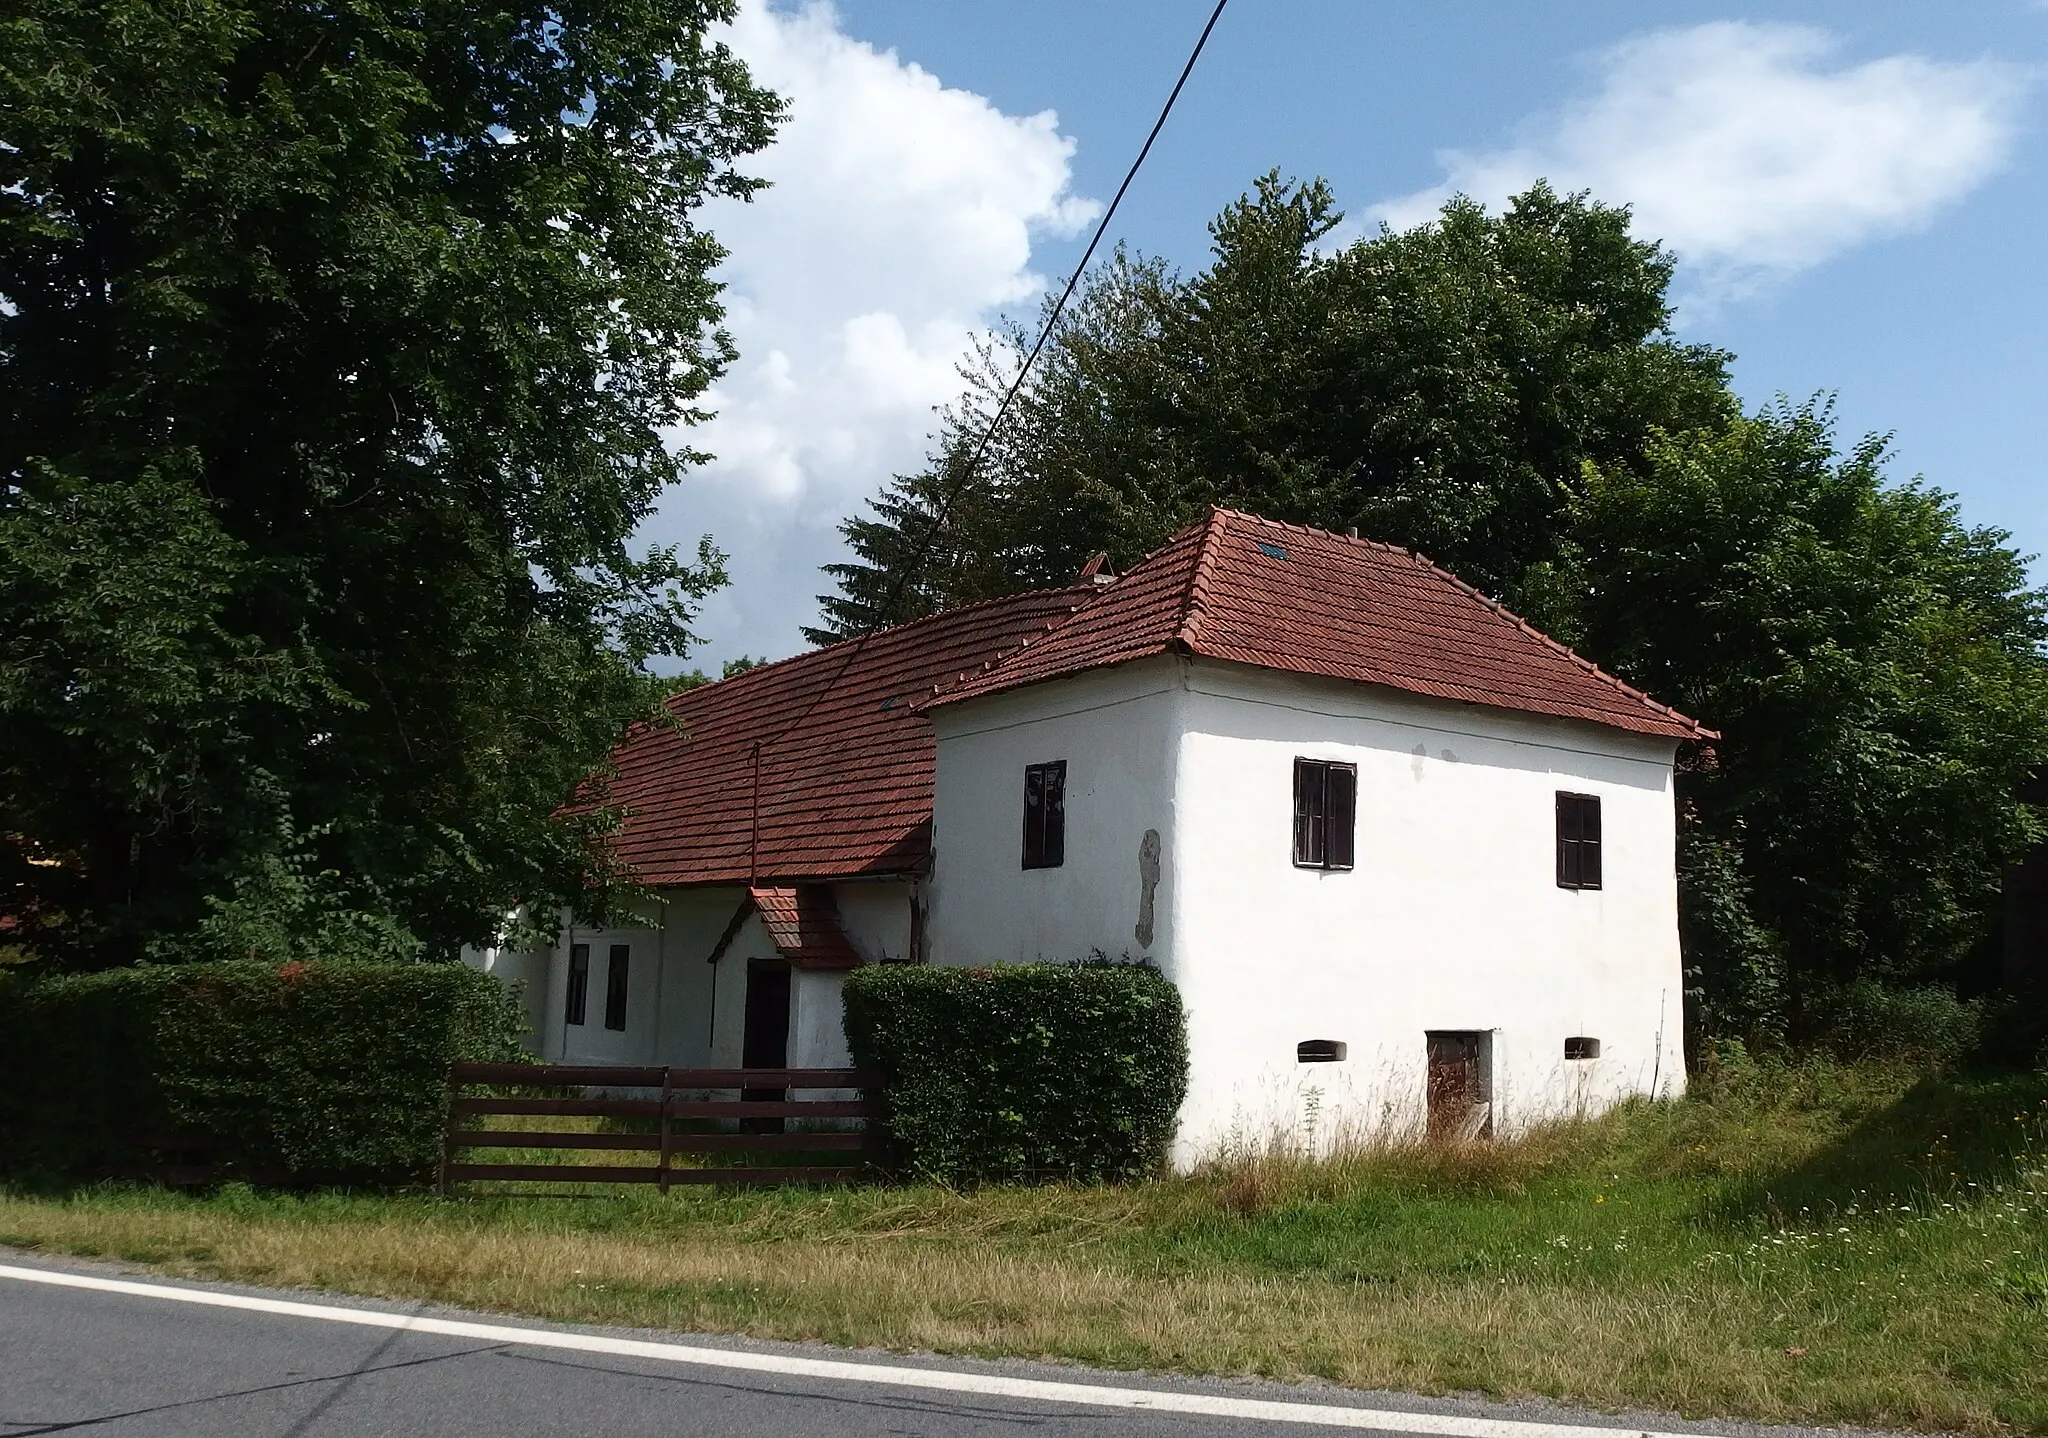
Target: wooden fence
column 684, row 1120
column 184, row 1160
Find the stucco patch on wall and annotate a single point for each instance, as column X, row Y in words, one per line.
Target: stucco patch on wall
column 1116, row 732
column 1148, row 885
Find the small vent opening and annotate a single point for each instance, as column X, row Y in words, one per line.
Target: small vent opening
column 1320, row 1051
column 1582, row 1048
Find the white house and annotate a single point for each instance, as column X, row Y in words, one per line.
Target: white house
column 1408, row 861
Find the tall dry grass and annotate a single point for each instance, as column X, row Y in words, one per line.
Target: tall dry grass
column 1866, row 1246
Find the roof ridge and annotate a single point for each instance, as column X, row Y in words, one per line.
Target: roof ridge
column 1096, row 594
column 1492, row 604
column 940, row 686
column 788, row 661
column 1192, row 610
column 1359, row 540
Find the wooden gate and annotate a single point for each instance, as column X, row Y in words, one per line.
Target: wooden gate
column 680, row 1118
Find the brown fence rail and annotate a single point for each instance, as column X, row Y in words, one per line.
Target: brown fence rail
column 682, row 1117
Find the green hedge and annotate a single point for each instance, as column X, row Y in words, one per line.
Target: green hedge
column 322, row 1070
column 1026, row 1071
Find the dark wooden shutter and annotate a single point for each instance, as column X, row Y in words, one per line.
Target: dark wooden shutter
column 1578, row 841
column 1589, row 841
column 1567, row 842
column 616, row 973
column 1308, row 813
column 1056, row 814
column 1340, row 814
column 1325, row 813
column 579, row 982
column 1034, row 815
column 1045, row 815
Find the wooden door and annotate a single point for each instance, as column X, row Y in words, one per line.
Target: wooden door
column 1460, row 1104
column 765, row 1042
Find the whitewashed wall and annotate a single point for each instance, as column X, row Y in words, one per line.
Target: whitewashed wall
column 1451, row 919
column 1116, row 731
column 525, row 970
column 876, row 916
column 681, row 1009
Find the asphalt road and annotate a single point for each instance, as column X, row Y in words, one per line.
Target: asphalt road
column 90, row 1360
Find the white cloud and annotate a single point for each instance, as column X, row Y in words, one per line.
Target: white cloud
column 1742, row 150
column 899, row 224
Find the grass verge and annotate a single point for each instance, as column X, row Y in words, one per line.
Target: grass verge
column 1816, row 1244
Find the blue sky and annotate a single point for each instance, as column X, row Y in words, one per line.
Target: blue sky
column 1856, row 192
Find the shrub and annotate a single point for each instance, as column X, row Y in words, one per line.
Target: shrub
column 314, row 1069
column 1868, row 1020
column 2015, row 1031
column 1072, row 1071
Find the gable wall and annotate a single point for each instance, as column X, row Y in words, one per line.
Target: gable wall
column 1115, row 729
column 875, row 915
column 816, row 1037
column 1451, row 919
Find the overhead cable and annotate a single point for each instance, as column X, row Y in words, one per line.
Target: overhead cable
column 965, row 474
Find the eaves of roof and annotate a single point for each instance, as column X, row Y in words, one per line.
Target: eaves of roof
column 1285, row 597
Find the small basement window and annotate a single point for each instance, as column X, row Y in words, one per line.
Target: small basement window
column 1582, row 1048
column 1325, row 813
column 1045, row 815
column 615, row 987
column 1578, row 841
column 1320, row 1051
column 579, row 983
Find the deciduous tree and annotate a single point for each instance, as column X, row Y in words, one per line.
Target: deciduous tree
column 1874, row 664
column 338, row 348
column 1438, row 387
column 1503, row 392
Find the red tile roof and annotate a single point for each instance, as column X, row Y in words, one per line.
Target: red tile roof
column 1279, row 596
column 846, row 761
column 802, row 923
column 847, row 754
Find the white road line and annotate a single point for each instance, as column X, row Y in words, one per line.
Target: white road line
column 991, row 1385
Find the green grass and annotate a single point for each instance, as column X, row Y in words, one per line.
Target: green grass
column 1819, row 1243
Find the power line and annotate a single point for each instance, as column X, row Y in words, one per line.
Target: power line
column 953, row 491
column 1052, row 320
column 966, row 471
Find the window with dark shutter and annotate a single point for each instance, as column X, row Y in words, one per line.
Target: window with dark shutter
column 1325, row 813
column 1578, row 841
column 1045, row 815
column 615, row 987
column 579, row 982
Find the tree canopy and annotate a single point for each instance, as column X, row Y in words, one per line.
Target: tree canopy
column 1504, row 393
column 1438, row 388
column 1874, row 667
column 338, row 348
